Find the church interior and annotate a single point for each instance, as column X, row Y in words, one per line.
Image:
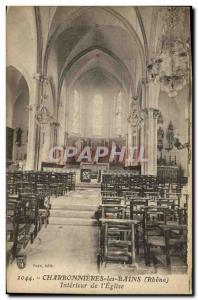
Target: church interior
column 98, row 138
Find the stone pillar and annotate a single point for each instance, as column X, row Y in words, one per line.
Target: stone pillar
column 45, row 143
column 152, row 141
column 126, row 152
column 31, row 155
column 150, row 129
column 143, row 143
column 61, row 121
column 128, row 145
column 134, row 124
column 56, row 132
column 60, row 135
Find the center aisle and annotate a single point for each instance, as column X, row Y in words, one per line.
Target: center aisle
column 76, row 208
column 69, row 242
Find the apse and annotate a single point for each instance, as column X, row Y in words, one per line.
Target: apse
column 95, row 94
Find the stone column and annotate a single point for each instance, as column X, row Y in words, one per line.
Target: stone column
column 143, row 143
column 152, row 141
column 126, row 152
column 61, row 121
column 150, row 130
column 128, row 161
column 133, row 146
column 60, row 135
column 55, row 132
column 44, row 144
column 128, row 145
column 33, row 100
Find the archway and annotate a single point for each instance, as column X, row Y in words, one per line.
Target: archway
column 17, row 116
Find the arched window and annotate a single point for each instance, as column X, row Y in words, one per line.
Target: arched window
column 76, row 112
column 97, row 124
column 118, row 114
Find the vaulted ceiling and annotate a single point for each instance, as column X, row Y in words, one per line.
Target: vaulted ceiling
column 64, row 43
column 86, row 38
column 16, row 83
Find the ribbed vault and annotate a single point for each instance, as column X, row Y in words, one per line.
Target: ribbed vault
column 74, row 34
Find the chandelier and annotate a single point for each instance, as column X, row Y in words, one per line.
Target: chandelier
column 171, row 65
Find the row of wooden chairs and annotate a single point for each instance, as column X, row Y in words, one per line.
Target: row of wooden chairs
column 25, row 215
column 147, row 224
column 28, row 207
column 122, row 183
column 47, row 183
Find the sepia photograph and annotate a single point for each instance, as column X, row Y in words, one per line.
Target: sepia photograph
column 99, row 150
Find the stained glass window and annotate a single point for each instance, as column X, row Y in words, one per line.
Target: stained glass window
column 97, row 114
column 118, row 114
column 76, row 112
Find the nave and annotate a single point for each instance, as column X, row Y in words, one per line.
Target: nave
column 128, row 223
column 99, row 141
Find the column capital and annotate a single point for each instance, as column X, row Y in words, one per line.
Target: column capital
column 40, row 77
column 151, row 111
column 55, row 124
column 156, row 113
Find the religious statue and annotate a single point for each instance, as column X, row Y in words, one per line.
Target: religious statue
column 170, row 136
column 160, row 138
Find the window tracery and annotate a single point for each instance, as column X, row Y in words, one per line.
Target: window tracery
column 118, row 114
column 76, row 112
column 97, row 121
